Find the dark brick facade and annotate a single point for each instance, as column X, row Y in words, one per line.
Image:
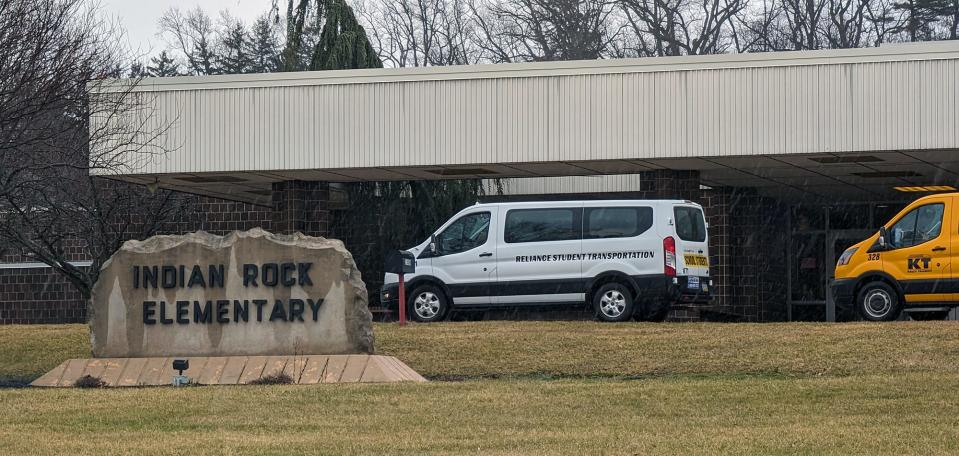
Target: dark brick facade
column 716, row 205
column 746, row 256
column 221, row 217
column 667, row 184
column 39, row 295
column 301, row 206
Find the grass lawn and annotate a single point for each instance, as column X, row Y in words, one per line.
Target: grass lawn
column 534, row 388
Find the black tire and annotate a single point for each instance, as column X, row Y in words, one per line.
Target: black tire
column 878, row 301
column 613, row 302
column 427, row 303
column 929, row 316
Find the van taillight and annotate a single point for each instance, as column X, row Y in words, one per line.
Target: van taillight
column 669, row 257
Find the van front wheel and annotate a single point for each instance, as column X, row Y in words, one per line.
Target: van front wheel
column 427, row 304
column 613, row 302
column 877, row 301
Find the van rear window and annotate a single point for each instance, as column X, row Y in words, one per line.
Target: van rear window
column 690, row 225
column 617, row 222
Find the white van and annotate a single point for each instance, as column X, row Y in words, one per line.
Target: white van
column 625, row 258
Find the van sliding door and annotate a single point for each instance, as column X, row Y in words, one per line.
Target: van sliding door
column 539, row 256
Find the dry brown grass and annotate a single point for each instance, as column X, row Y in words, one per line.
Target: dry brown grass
column 874, row 414
column 669, row 388
column 563, row 349
column 495, row 349
column 27, row 352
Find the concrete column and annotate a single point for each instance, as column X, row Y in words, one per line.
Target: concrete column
column 301, row 206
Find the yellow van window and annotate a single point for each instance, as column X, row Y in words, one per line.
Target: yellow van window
column 920, row 225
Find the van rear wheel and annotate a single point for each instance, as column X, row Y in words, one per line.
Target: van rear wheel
column 427, row 304
column 877, row 301
column 613, row 302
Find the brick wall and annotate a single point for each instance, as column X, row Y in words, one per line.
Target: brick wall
column 748, row 236
column 220, row 217
column 301, row 206
column 41, row 296
column 746, row 256
column 38, row 295
column 716, row 205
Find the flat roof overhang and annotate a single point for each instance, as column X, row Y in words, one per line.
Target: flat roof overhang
column 824, row 177
column 834, row 124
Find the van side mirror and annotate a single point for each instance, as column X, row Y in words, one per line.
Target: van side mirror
column 881, row 242
column 433, row 244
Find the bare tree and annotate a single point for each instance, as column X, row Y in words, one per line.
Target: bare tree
column 192, row 34
column 951, row 13
column 412, row 33
column 681, row 27
column 781, row 25
column 544, row 30
column 60, row 123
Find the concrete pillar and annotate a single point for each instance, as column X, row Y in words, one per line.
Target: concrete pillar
column 301, row 206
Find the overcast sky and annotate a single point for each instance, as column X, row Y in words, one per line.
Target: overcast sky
column 139, row 17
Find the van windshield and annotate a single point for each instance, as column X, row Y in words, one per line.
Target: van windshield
column 690, row 225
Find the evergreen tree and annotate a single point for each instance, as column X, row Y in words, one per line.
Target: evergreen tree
column 234, row 46
column 343, row 42
column 921, row 17
column 137, row 70
column 203, row 58
column 264, row 47
column 116, row 71
column 162, row 66
column 328, row 34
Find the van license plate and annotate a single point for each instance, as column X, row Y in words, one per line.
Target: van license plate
column 693, row 259
column 693, row 283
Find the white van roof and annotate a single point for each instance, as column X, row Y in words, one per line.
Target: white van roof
column 587, row 203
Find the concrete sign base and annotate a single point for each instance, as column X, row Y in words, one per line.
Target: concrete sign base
column 233, row 370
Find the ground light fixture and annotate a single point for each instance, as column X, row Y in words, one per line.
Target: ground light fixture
column 181, row 365
column 926, row 188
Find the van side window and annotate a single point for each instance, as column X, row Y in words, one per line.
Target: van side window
column 540, row 225
column 690, row 225
column 617, row 222
column 466, row 233
column 920, row 225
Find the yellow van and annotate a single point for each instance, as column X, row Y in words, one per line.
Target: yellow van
column 907, row 265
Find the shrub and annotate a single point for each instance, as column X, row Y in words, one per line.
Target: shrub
column 88, row 381
column 273, row 379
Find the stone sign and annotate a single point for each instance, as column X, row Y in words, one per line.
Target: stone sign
column 247, row 293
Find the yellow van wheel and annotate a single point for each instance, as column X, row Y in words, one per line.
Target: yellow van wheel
column 878, row 301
